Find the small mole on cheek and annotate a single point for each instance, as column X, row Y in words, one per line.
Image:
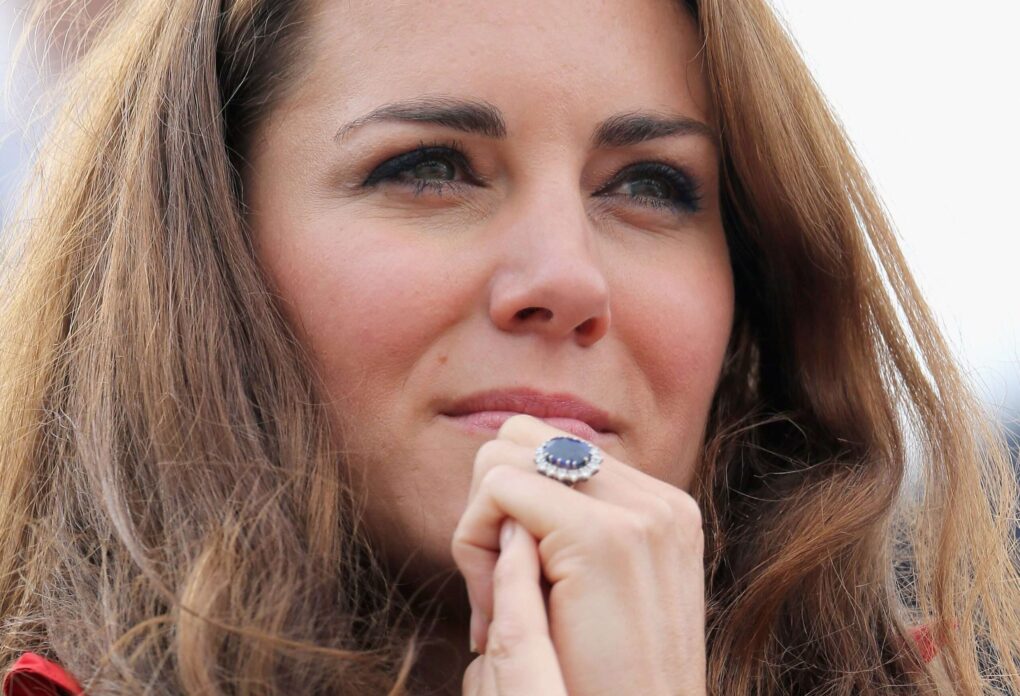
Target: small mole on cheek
column 442, row 359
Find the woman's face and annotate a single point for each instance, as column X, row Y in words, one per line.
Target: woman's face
column 520, row 197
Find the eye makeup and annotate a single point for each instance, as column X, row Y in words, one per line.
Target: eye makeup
column 443, row 167
column 431, row 166
column 664, row 186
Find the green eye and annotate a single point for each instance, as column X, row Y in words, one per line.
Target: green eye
column 657, row 185
column 436, row 167
column 433, row 169
column 648, row 188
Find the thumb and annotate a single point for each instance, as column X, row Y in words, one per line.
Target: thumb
column 519, row 658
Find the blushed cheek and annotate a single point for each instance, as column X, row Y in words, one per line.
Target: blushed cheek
column 364, row 303
column 677, row 331
column 680, row 324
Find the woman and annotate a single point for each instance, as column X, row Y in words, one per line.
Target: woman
column 292, row 270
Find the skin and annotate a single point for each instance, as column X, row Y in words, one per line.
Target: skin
column 408, row 301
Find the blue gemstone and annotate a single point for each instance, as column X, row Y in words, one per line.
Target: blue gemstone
column 567, row 452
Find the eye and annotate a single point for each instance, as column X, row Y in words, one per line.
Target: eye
column 657, row 185
column 437, row 167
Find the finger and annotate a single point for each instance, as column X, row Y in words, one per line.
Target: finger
column 530, row 432
column 478, row 567
column 539, row 504
column 471, row 685
column 479, row 679
column 610, row 483
column 518, row 644
column 549, row 505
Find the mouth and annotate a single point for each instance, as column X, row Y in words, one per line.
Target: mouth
column 487, row 411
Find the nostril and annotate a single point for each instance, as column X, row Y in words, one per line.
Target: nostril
column 588, row 327
column 529, row 311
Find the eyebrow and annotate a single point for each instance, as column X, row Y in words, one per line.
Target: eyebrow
column 462, row 115
column 484, row 119
column 638, row 126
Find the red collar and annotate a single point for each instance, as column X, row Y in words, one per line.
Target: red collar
column 34, row 675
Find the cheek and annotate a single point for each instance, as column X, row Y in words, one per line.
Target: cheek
column 364, row 303
column 688, row 329
column 676, row 327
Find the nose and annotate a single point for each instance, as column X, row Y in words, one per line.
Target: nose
column 550, row 281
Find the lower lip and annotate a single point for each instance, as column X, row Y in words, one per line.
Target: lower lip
column 493, row 420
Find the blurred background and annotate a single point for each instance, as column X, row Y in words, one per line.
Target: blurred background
column 926, row 90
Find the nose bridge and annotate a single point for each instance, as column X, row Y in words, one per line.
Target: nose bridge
column 551, row 279
column 552, row 225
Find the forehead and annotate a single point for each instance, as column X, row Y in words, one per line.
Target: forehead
column 542, row 61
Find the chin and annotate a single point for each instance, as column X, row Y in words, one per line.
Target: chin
column 419, row 550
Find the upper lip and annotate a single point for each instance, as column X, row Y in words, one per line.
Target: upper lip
column 534, row 403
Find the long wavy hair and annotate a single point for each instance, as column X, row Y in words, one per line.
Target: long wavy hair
column 174, row 515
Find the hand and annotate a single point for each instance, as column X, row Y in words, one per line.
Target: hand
column 623, row 555
column 520, row 659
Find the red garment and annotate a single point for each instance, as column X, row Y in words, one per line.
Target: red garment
column 33, row 675
column 925, row 642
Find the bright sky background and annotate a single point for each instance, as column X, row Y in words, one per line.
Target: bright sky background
column 928, row 91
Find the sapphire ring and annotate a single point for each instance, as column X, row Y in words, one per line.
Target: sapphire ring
column 568, row 459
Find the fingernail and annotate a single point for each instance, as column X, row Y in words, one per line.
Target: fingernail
column 477, row 628
column 506, row 533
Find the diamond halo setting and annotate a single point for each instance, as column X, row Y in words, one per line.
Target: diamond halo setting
column 568, row 459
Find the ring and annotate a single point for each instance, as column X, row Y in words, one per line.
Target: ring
column 568, row 459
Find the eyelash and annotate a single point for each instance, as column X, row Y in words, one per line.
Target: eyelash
column 686, row 198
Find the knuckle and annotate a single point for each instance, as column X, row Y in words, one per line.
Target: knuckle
column 507, row 634
column 463, row 553
column 490, row 454
column 684, row 509
column 687, row 513
column 458, row 547
column 635, row 529
column 490, row 451
column 647, row 525
column 690, row 524
column 661, row 513
column 494, row 477
column 670, row 518
column 503, row 574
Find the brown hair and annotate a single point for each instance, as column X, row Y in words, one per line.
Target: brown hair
column 171, row 509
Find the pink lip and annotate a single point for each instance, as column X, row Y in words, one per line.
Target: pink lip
column 488, row 411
